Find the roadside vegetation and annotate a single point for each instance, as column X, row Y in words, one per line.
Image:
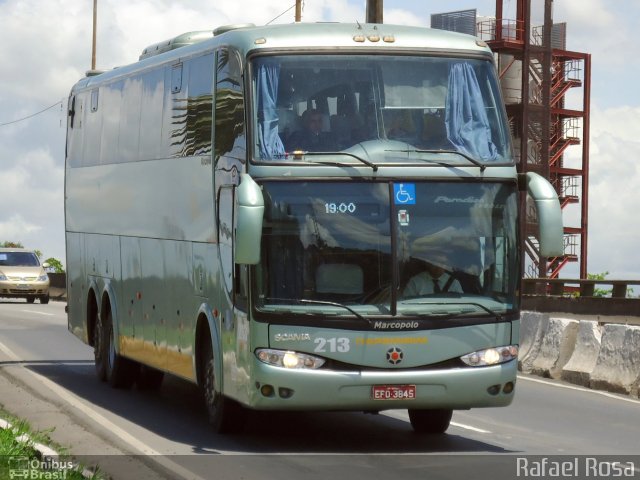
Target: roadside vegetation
column 19, row 457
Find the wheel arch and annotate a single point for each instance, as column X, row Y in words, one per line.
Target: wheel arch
column 92, row 312
column 108, row 304
column 207, row 331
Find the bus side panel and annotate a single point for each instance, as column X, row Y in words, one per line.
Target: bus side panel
column 180, row 302
column 154, row 302
column 131, row 333
column 76, row 286
column 102, row 257
column 169, row 199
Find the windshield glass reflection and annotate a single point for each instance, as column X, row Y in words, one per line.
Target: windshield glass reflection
column 329, row 252
column 378, row 108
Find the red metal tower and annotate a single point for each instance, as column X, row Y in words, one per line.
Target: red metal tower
column 537, row 74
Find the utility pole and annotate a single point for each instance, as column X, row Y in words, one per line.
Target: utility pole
column 374, row 11
column 95, row 21
column 298, row 11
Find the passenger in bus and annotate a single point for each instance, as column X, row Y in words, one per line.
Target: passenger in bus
column 433, row 280
column 400, row 125
column 312, row 138
column 434, row 133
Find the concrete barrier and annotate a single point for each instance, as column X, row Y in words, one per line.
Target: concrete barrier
column 617, row 368
column 529, row 327
column 533, row 326
column 556, row 347
column 585, row 354
column 582, row 352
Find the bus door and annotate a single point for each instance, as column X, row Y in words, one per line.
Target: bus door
column 230, row 151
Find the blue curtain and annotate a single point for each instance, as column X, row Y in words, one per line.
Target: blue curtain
column 268, row 139
column 468, row 127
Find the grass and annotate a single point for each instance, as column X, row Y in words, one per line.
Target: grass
column 20, row 459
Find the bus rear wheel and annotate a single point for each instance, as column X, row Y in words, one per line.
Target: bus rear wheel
column 99, row 350
column 430, row 421
column 120, row 372
column 225, row 415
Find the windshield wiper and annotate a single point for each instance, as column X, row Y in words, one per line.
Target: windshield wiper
column 360, row 159
column 323, row 302
column 482, row 307
column 462, row 154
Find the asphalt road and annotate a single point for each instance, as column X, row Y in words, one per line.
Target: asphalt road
column 168, row 428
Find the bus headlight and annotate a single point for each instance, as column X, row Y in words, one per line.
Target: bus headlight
column 288, row 359
column 491, row 356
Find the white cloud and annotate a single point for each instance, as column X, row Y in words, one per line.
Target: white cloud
column 15, row 227
column 614, row 196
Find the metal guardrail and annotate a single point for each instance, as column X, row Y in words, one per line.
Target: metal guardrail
column 582, row 297
column 576, row 288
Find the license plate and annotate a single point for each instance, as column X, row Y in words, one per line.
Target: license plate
column 393, row 392
column 22, row 286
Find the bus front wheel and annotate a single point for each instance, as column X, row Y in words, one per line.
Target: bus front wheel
column 225, row 415
column 430, row 421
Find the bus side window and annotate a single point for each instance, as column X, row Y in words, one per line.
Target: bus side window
column 229, row 107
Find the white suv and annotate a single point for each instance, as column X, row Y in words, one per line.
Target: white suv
column 22, row 275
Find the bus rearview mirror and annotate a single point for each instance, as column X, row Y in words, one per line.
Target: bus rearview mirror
column 551, row 233
column 249, row 218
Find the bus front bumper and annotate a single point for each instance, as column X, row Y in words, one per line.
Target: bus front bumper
column 461, row 388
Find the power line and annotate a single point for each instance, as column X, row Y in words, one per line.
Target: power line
column 59, row 102
column 273, row 19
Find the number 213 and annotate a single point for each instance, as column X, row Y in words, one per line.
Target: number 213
column 332, row 345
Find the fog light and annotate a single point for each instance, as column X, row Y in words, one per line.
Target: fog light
column 285, row 392
column 494, row 389
column 508, row 387
column 267, row 390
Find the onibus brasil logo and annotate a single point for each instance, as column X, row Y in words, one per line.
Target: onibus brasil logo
column 47, row 468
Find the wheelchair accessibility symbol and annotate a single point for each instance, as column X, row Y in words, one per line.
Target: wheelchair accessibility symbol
column 404, row 193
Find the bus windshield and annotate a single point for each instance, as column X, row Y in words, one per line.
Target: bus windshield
column 329, row 248
column 385, row 109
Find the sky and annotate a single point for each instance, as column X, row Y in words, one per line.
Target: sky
column 45, row 47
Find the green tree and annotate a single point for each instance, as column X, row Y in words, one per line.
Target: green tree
column 600, row 292
column 11, row 245
column 55, row 264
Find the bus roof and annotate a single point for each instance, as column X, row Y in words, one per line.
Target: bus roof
column 303, row 37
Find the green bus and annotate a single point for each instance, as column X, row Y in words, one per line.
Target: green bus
column 302, row 217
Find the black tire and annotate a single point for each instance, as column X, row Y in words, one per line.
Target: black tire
column 149, row 378
column 120, row 372
column 99, row 348
column 31, row 299
column 225, row 415
column 430, row 421
column 44, row 299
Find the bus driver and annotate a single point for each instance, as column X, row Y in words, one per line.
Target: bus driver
column 433, row 280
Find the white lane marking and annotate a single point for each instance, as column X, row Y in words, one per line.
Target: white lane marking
column 469, row 427
column 404, row 417
column 580, row 389
column 39, row 313
column 75, row 402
